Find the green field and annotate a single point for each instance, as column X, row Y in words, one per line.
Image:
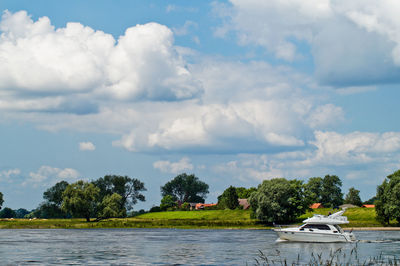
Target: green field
column 209, row 219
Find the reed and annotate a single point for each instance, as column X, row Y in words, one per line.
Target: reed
column 334, row 257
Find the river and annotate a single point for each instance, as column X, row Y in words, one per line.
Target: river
column 174, row 246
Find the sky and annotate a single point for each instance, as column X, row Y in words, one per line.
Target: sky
column 235, row 92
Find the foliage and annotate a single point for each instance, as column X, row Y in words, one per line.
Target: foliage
column 186, row 188
column 353, row 197
column 387, row 204
column 370, row 201
column 331, row 194
column 48, row 211
column 313, row 190
column 155, row 209
column 1, row 200
column 278, row 200
column 168, row 202
column 20, row 213
column 128, row 188
column 51, row 208
column 7, row 213
column 229, row 198
column 111, row 207
column 55, row 193
column 80, row 199
column 244, row 193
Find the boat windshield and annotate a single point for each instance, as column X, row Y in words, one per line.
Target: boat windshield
column 338, row 228
column 316, row 226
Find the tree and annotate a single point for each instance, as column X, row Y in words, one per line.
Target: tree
column 331, row 194
column 353, row 197
column 20, row 213
column 244, row 193
column 1, row 200
column 55, row 193
column 313, row 190
column 168, row 202
column 387, row 204
column 128, row 188
column 278, row 200
column 53, row 196
column 370, row 201
column 186, row 188
column 80, row 199
column 7, row 213
column 111, row 207
column 229, row 198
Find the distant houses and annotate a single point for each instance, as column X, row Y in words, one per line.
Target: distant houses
column 368, row 206
column 245, row 203
column 316, row 206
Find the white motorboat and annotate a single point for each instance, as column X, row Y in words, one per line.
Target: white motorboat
column 319, row 228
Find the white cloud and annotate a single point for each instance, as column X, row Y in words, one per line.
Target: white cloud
column 87, row 146
column 368, row 50
column 47, row 175
column 7, row 174
column 48, row 69
column 355, row 156
column 174, row 167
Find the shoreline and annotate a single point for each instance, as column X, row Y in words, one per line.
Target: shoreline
column 371, row 228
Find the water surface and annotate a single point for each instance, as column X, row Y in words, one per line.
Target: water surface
column 173, row 246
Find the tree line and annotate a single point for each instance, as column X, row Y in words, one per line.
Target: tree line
column 276, row 200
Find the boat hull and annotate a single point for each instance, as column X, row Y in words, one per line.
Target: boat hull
column 299, row 236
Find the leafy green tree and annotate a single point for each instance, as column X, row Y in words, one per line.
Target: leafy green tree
column 7, row 213
column 20, row 213
column 278, row 200
column 168, row 202
column 55, row 193
column 353, row 197
column 313, row 190
column 370, row 201
column 229, row 198
column 387, row 205
column 331, row 195
column 244, row 193
column 80, row 199
column 111, row 207
column 53, row 196
column 1, row 200
column 130, row 189
column 186, row 188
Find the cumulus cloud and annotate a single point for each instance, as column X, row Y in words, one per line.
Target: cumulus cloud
column 357, row 155
column 174, row 167
column 87, row 146
column 45, row 69
column 7, row 174
column 353, row 42
column 141, row 89
column 47, row 176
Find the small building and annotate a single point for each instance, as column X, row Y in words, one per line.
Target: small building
column 368, row 206
column 245, row 203
column 316, row 206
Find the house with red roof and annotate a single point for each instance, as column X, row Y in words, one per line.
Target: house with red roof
column 316, row 206
column 368, row 206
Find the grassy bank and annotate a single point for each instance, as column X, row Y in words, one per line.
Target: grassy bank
column 212, row 219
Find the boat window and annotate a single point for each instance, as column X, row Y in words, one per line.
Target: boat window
column 317, row 226
column 338, row 228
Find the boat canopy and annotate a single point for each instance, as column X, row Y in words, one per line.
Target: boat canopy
column 335, row 218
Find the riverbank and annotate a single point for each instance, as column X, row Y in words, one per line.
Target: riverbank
column 360, row 219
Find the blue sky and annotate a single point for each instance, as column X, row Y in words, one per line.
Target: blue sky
column 233, row 91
